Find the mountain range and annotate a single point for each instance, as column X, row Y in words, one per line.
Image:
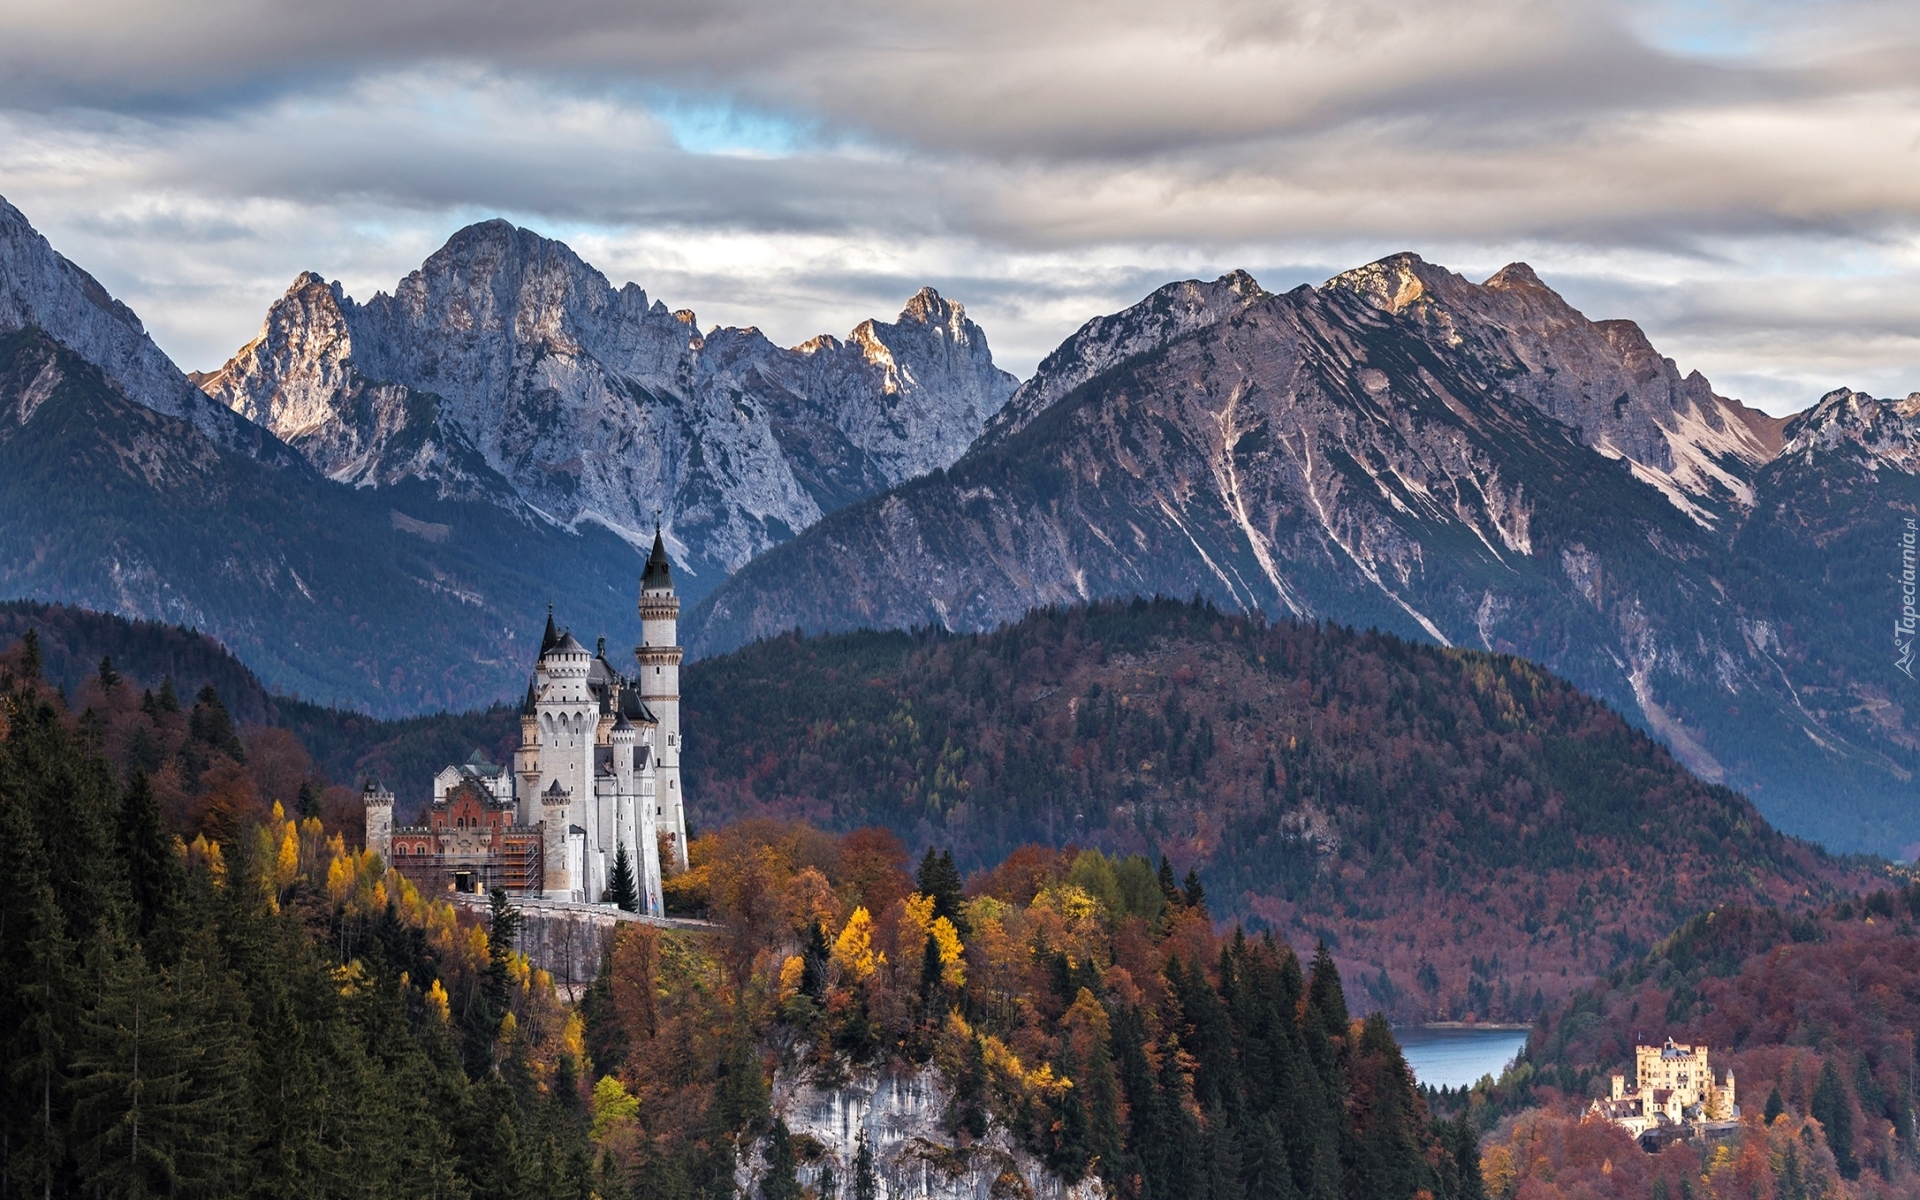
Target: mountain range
column 506, row 370
column 371, row 501
column 1471, row 464
column 397, row 549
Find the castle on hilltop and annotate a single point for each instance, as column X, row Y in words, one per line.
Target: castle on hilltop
column 1674, row 1088
column 597, row 773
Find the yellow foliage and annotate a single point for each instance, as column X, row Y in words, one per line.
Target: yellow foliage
column 790, row 972
column 519, row 969
column 287, row 865
column 509, row 1026
column 477, row 944
column 1073, row 903
column 279, row 814
column 853, row 949
column 953, row 968
column 437, row 1001
column 612, row 1105
column 207, row 856
column 351, row 979
column 573, row 1036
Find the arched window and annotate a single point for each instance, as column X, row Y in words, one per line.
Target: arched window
column 400, row 850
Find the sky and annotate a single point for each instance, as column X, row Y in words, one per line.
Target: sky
column 1742, row 177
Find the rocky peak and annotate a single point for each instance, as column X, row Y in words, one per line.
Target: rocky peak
column 1169, row 313
column 1396, row 282
column 1845, row 423
column 291, row 375
column 507, row 358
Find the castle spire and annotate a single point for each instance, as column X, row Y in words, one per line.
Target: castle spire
column 659, row 572
column 551, row 638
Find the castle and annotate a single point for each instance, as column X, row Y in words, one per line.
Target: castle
column 1674, row 1087
column 597, row 771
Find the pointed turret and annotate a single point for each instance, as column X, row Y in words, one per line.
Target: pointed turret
column 659, row 572
column 532, row 705
column 551, row 637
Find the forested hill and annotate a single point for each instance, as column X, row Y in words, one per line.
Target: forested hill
column 74, row 640
column 1814, row 1012
column 1472, row 835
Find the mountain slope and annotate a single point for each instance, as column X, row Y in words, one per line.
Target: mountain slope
column 509, row 370
column 398, row 600
column 1468, row 464
column 41, row 289
column 1471, row 835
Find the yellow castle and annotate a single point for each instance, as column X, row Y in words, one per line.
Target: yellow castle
column 1673, row 1085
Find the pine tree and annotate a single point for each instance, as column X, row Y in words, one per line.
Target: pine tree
column 1267, row 1170
column 212, row 726
column 153, row 869
column 1834, row 1110
column 1326, row 1000
column 866, row 1186
column 109, row 678
column 621, row 891
column 939, row 879
column 1195, row 895
column 782, row 1180
column 30, row 655
column 828, row 1188
column 309, row 799
column 1168, row 887
column 1775, row 1105
column 168, row 701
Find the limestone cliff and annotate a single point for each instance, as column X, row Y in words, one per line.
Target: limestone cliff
column 913, row 1157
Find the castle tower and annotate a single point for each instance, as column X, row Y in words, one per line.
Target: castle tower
column 379, row 806
column 659, row 658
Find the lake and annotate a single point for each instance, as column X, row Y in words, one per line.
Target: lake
column 1458, row 1057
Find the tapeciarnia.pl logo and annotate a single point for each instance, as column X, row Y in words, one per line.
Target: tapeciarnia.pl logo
column 1904, row 628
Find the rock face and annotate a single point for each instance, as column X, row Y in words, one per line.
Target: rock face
column 507, row 369
column 41, row 289
column 1468, row 464
column 913, row 1157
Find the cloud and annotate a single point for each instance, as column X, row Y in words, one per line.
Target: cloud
column 1740, row 175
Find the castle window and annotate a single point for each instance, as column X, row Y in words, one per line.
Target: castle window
column 400, row 850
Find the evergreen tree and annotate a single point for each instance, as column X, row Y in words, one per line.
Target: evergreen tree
column 828, row 1188
column 621, row 890
column 782, row 1180
column 30, row 654
column 109, row 678
column 939, row 879
column 153, row 868
column 168, row 701
column 308, row 801
column 866, row 1186
column 1267, row 1171
column 967, row 1111
column 1326, row 1000
column 815, row 956
column 1832, row 1107
column 1168, row 887
column 211, row 726
column 1775, row 1104
column 1386, row 1158
column 1195, row 895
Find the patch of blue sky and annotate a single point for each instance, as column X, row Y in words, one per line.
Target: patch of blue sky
column 1723, row 29
column 703, row 126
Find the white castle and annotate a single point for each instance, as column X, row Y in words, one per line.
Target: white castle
column 597, row 772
